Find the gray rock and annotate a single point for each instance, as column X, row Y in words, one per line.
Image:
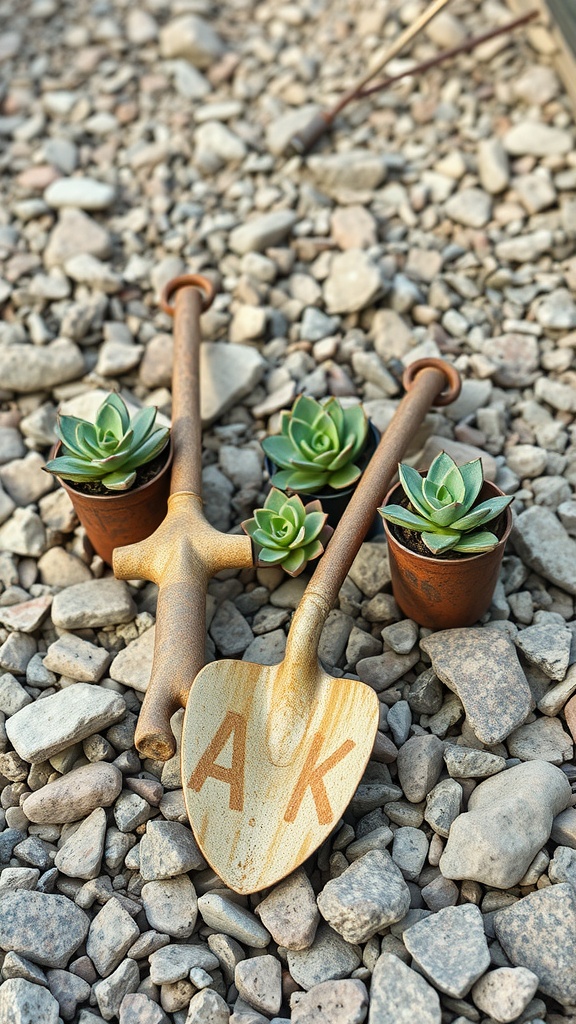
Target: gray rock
column 76, row 658
column 23, row 533
column 542, row 543
column 557, row 311
column 468, row 763
column 224, row 916
column 353, row 283
column 544, row 739
column 504, row 994
column 539, row 933
column 409, row 851
column 562, row 867
column 366, row 897
column 25, row 479
column 262, row 232
column 401, row 636
column 482, row 668
column 44, row 728
column 207, row 1007
column 138, row 1008
column 420, row 762
column 289, row 912
column 471, row 207
column 22, row 1002
column 340, row 1002
column 280, row 130
column 493, row 166
column 75, row 233
column 259, row 981
column 546, row 645
column 11, row 445
column 355, row 170
column 13, row 697
column 81, row 193
column 171, row 906
column 43, row 928
column 382, row 670
column 174, row 962
column 400, row 721
column 524, row 248
column 229, row 373
column 133, row 665
column 399, row 995
column 130, row 811
column 17, row 878
column 112, row 933
column 76, row 794
column 450, row 948
column 329, row 958
column 516, row 357
column 509, row 819
column 81, row 855
column 27, row 616
column 110, row 991
column 104, row 602
column 193, row 38
column 230, row 630
column 533, row 138
column 168, row 848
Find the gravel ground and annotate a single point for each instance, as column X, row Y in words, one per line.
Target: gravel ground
column 439, row 218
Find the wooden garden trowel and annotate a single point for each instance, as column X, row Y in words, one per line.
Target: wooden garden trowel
column 185, row 551
column 271, row 755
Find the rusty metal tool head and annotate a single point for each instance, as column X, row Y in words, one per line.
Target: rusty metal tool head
column 185, row 551
column 271, row 755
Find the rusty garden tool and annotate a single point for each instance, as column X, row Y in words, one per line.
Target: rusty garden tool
column 271, row 755
column 185, row 551
column 303, row 140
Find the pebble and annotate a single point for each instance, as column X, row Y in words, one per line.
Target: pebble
column 289, row 912
column 81, row 855
column 543, row 544
column 537, row 933
column 80, row 193
column 168, row 849
column 487, row 843
column 543, row 739
column 450, row 948
column 132, row 666
column 207, row 1007
column 467, row 763
column 43, row 928
column 171, row 906
column 259, row 981
column 76, row 658
column 340, row 1002
column 505, row 993
column 27, row 1003
column 75, row 795
column 46, row 727
column 112, row 933
column 262, row 232
column 192, row 38
column 110, row 991
column 329, row 958
column 138, row 1008
column 223, row 915
column 534, row 138
column 397, row 991
column 175, row 961
column 370, row 895
column 493, row 166
column 355, row 170
column 229, row 373
column 471, row 207
column 23, row 533
column 353, row 283
column 103, row 602
column 482, row 668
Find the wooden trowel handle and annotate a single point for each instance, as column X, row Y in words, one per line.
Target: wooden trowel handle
column 428, row 382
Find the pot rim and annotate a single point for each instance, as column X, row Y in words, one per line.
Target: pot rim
column 68, row 485
column 444, row 561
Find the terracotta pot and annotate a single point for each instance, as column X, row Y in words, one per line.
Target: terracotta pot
column 335, row 502
column 444, row 593
column 125, row 517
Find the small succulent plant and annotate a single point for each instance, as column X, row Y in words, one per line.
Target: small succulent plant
column 111, row 449
column 288, row 533
column 441, row 507
column 317, row 445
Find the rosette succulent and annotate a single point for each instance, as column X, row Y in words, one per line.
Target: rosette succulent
column 442, row 507
column 317, row 445
column 111, row 449
column 288, row 533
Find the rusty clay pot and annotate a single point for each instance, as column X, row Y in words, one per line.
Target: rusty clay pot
column 123, row 517
column 443, row 593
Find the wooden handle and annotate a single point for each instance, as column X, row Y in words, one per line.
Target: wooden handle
column 427, row 381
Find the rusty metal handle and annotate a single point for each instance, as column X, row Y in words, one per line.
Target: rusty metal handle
column 428, row 382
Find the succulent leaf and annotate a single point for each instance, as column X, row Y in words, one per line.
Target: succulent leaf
column 286, row 532
column 112, row 448
column 441, row 506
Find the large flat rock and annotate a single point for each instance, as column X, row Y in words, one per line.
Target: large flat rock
column 42, row 729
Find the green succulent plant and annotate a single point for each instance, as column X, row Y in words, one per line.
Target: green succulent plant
column 111, row 449
column 317, row 445
column 288, row 533
column 442, row 507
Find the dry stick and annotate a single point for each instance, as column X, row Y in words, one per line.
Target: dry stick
column 465, row 47
column 306, row 137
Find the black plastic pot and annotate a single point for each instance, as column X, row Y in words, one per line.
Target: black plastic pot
column 335, row 502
